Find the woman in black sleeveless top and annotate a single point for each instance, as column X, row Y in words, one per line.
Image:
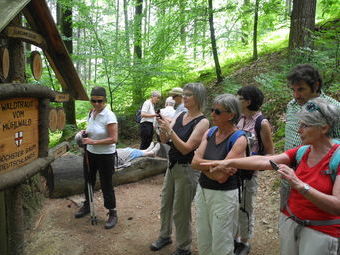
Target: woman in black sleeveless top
column 217, row 193
column 184, row 135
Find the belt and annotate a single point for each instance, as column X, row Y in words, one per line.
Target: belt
column 172, row 164
column 314, row 222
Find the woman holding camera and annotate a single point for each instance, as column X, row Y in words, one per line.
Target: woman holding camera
column 184, row 135
column 310, row 218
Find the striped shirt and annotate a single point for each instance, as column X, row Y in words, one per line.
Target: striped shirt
column 248, row 124
column 292, row 138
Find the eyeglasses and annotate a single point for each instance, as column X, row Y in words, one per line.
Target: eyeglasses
column 97, row 101
column 187, row 94
column 217, row 111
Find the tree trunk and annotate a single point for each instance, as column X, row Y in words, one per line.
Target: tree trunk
column 138, row 30
column 182, row 31
column 302, row 24
column 127, row 38
column 245, row 22
column 137, row 90
column 213, row 43
column 68, row 173
column 16, row 57
column 256, row 18
column 288, row 9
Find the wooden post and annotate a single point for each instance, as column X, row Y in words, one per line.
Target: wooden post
column 3, row 225
column 43, row 130
column 15, row 220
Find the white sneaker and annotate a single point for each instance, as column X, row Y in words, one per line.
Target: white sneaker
column 156, row 149
column 152, row 144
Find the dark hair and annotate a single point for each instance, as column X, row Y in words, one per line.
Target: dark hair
column 253, row 94
column 308, row 74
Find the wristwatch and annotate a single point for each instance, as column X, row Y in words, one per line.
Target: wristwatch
column 306, row 188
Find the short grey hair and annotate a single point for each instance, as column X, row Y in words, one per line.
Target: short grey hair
column 319, row 112
column 156, row 93
column 231, row 104
column 199, row 92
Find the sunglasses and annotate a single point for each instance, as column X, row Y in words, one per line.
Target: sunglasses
column 312, row 107
column 187, row 94
column 97, row 101
column 217, row 111
column 303, row 126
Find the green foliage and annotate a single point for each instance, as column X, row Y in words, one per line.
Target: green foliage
column 54, row 138
column 176, row 49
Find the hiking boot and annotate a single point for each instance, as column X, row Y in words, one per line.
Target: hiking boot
column 181, row 252
column 112, row 220
column 242, row 249
column 236, row 245
column 160, row 243
column 85, row 209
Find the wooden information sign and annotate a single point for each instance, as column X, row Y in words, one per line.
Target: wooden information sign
column 61, row 97
column 19, row 132
column 26, row 35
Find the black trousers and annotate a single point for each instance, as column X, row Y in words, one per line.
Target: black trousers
column 104, row 164
column 146, row 134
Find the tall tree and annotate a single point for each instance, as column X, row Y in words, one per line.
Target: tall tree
column 288, row 9
column 256, row 19
column 64, row 15
column 126, row 24
column 245, row 22
column 213, row 42
column 137, row 89
column 138, row 29
column 302, row 23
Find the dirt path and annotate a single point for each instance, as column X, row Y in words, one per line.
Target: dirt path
column 57, row 232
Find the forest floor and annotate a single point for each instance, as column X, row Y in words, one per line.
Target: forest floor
column 55, row 231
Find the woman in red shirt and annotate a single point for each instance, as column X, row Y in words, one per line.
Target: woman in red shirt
column 310, row 220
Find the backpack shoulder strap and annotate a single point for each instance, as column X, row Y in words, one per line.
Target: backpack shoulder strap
column 300, row 152
column 334, row 163
column 212, row 131
column 89, row 116
column 258, row 123
column 257, row 128
column 232, row 139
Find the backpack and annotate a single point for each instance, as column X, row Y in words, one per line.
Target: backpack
column 332, row 171
column 138, row 115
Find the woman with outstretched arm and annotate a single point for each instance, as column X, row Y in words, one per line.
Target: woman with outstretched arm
column 310, row 219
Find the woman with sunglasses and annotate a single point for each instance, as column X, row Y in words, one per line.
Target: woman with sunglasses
column 310, row 218
column 217, row 193
column 101, row 138
column 183, row 134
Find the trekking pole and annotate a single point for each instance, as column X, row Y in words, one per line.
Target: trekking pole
column 89, row 186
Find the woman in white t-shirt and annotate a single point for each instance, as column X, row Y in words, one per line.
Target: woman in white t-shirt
column 101, row 139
